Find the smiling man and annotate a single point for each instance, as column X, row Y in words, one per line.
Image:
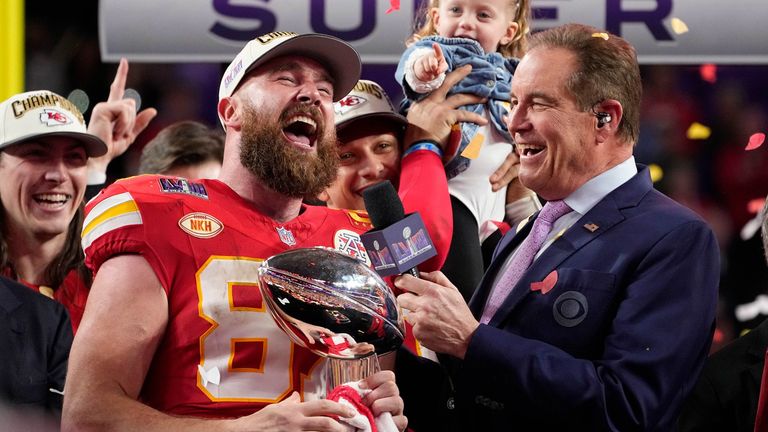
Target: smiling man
column 45, row 154
column 174, row 297
column 598, row 314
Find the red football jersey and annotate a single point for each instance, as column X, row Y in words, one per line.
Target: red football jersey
column 222, row 354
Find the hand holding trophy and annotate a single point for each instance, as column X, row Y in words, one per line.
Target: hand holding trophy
column 335, row 306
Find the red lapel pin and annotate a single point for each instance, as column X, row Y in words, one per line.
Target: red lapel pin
column 547, row 284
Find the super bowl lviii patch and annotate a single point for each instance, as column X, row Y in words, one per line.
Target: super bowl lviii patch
column 200, row 225
column 183, row 186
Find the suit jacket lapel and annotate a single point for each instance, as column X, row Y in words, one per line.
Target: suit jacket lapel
column 605, row 214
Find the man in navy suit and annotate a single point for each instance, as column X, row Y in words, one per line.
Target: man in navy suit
column 609, row 326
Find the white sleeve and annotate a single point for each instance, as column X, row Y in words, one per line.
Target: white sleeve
column 414, row 83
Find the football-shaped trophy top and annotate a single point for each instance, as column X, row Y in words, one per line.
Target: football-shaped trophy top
column 331, row 303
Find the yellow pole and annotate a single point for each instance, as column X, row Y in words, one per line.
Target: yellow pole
column 11, row 48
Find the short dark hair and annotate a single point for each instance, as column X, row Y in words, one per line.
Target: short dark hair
column 181, row 144
column 607, row 69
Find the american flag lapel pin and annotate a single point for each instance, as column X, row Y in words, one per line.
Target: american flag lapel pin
column 591, row 227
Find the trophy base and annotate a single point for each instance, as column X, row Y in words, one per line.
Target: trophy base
column 342, row 371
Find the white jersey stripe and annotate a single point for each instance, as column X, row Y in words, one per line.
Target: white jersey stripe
column 112, row 223
column 112, row 213
column 106, row 205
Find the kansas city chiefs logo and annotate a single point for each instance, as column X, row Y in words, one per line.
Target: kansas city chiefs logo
column 54, row 117
column 348, row 103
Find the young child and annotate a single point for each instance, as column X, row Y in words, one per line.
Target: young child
column 489, row 35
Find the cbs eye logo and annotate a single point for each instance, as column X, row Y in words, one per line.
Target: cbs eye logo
column 570, row 309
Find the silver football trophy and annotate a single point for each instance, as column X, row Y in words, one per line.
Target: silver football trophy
column 335, row 306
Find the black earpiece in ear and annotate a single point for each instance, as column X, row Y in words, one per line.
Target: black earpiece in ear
column 603, row 118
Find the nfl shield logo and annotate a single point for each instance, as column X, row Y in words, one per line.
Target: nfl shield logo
column 286, row 236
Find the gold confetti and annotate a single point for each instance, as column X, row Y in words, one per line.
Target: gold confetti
column 678, row 26
column 472, row 151
column 656, row 172
column 600, row 35
column 46, row 291
column 697, row 131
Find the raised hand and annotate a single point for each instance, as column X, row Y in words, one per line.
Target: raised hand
column 116, row 122
column 430, row 67
column 432, row 117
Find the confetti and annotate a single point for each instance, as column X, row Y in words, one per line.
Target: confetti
column 755, row 205
column 749, row 311
column 133, row 94
column 751, row 228
column 719, row 336
column 755, row 141
column 697, row 131
column 678, row 26
column 656, row 172
column 393, row 6
column 600, row 35
column 708, row 73
column 80, row 99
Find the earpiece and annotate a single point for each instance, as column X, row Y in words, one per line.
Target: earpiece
column 603, row 118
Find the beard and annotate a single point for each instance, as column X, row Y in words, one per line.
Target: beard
column 278, row 164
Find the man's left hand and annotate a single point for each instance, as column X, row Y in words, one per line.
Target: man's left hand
column 385, row 397
column 441, row 318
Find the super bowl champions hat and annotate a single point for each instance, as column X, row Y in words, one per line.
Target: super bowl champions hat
column 367, row 99
column 41, row 114
column 339, row 57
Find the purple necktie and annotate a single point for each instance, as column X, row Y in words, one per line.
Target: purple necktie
column 551, row 211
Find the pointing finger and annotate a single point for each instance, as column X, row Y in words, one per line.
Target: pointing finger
column 117, row 89
column 438, row 53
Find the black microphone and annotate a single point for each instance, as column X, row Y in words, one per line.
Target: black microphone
column 398, row 243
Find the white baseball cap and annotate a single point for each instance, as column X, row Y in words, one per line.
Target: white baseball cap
column 40, row 114
column 367, row 99
column 340, row 58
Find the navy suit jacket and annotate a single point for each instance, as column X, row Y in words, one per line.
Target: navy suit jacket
column 619, row 340
column 35, row 337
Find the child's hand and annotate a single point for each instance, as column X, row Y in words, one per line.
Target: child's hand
column 429, row 67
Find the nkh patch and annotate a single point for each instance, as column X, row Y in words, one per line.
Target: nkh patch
column 183, row 186
column 286, row 236
column 200, row 225
column 349, row 242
